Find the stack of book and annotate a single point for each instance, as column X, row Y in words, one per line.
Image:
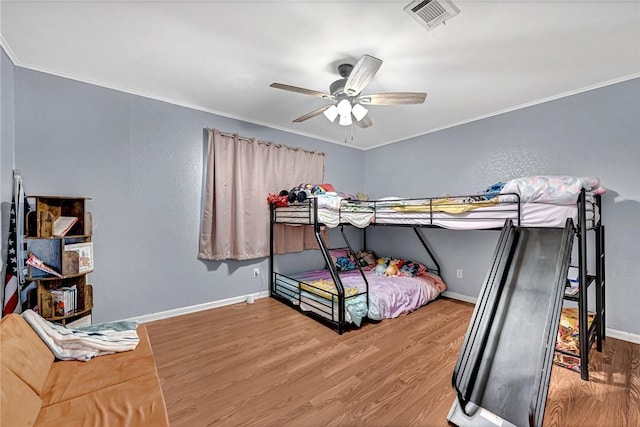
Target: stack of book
column 65, row 300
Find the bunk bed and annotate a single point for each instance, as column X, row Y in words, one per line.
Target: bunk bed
column 341, row 299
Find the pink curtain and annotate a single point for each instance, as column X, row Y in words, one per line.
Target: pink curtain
column 240, row 173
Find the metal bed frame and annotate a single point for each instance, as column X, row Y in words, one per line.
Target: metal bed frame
column 308, row 215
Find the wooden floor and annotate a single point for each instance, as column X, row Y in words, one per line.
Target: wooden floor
column 266, row 364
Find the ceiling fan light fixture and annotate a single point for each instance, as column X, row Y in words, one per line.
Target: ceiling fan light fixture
column 359, row 112
column 331, row 113
column 344, row 107
column 345, row 120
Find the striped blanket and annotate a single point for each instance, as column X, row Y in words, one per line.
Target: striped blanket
column 86, row 342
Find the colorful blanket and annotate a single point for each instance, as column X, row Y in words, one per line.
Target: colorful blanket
column 569, row 339
column 326, row 289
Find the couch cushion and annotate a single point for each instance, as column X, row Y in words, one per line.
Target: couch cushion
column 23, row 352
column 70, row 379
column 19, row 405
column 138, row 402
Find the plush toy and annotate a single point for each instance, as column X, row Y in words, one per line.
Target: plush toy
column 278, row 199
column 302, row 192
column 392, row 268
column 380, row 267
column 343, row 263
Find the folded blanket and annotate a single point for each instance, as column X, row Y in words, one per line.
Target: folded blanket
column 326, row 289
column 446, row 205
column 84, row 343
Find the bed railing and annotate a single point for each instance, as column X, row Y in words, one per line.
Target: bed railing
column 427, row 210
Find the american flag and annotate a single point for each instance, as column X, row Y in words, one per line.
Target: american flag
column 11, row 291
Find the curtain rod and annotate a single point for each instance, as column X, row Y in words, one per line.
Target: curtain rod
column 277, row 145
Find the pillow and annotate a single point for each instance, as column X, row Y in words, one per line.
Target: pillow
column 412, row 268
column 342, row 260
column 366, row 259
column 407, row 267
column 551, row 188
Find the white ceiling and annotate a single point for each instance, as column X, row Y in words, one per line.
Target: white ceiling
column 221, row 56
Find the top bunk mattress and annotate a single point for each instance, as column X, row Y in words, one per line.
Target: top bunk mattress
column 536, row 201
column 531, row 215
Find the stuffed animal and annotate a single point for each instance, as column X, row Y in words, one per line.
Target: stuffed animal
column 392, row 268
column 380, row 267
column 278, row 199
column 302, row 192
column 343, row 263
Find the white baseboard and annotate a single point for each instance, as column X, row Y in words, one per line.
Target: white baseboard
column 624, row 336
column 198, row 307
column 613, row 333
column 459, row 297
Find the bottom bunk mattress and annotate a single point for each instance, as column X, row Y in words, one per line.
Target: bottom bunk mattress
column 388, row 297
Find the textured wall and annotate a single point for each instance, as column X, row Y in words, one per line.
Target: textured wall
column 141, row 162
column 592, row 133
column 6, row 150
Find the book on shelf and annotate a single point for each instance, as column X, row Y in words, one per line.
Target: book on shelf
column 85, row 255
column 63, row 224
column 64, row 300
column 33, row 261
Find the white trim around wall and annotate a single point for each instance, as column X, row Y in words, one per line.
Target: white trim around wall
column 612, row 333
column 242, row 299
column 459, row 297
column 624, row 336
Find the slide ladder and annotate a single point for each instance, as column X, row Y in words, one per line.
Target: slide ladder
column 502, row 374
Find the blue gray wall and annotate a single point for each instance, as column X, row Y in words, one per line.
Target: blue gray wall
column 6, row 151
column 592, row 133
column 141, row 162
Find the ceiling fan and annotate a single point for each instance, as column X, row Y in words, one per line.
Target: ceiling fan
column 346, row 94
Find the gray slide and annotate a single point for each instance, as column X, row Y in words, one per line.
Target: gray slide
column 502, row 374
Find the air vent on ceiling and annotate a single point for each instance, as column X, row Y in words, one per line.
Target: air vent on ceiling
column 431, row 13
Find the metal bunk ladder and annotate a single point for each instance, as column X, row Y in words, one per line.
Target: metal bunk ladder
column 595, row 332
column 503, row 368
column 326, row 253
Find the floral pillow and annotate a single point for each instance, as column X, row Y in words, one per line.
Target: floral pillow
column 342, row 260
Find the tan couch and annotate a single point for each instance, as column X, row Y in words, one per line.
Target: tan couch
column 121, row 389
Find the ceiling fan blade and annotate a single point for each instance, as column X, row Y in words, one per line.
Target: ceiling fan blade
column 365, row 122
column 361, row 75
column 311, row 114
column 301, row 90
column 393, row 98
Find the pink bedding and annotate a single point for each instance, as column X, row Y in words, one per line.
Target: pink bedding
column 388, row 296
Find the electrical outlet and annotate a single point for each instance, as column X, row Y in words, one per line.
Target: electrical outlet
column 256, row 272
column 459, row 273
